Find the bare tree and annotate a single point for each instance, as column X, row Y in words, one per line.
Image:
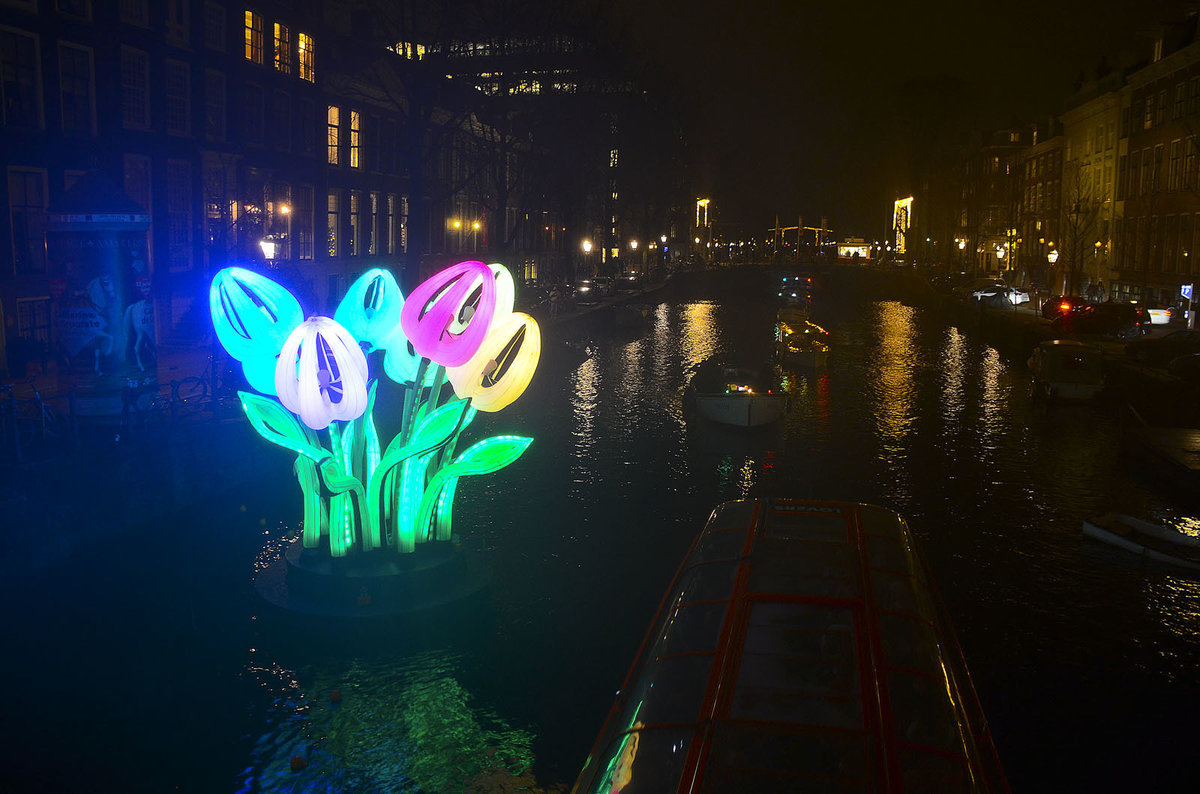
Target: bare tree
column 1081, row 205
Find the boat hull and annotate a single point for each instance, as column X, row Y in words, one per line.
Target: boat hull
column 742, row 410
column 1147, row 540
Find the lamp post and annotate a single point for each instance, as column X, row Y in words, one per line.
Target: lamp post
column 587, row 264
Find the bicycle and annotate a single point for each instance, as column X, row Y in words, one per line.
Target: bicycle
column 33, row 424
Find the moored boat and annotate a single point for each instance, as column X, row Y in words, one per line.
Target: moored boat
column 1152, row 541
column 736, row 396
column 801, row 343
column 800, row 647
column 1066, row 369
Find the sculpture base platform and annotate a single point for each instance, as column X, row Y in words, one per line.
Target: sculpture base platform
column 368, row 584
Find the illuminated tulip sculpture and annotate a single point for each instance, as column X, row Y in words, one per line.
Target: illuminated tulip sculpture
column 456, row 346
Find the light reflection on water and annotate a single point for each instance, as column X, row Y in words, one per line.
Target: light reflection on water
column 393, row 724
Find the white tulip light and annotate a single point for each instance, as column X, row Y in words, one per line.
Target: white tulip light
column 322, row 374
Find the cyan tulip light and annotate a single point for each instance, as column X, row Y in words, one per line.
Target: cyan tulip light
column 252, row 316
column 455, row 347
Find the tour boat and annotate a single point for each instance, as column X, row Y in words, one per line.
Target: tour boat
column 801, row 646
column 736, row 396
column 1067, row 369
column 1152, row 541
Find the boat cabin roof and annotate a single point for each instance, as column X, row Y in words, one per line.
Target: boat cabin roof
column 800, row 647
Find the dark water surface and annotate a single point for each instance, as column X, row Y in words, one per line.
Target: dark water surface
column 152, row 665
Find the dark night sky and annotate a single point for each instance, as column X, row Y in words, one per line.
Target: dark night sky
column 786, row 97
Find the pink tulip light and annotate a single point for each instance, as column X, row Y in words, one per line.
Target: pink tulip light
column 434, row 307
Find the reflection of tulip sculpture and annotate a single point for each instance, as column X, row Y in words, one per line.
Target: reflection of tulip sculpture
column 458, row 327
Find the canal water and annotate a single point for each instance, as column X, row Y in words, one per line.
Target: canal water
column 151, row 664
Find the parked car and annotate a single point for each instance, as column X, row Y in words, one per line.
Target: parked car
column 992, row 289
column 1123, row 321
column 1162, row 349
column 1160, row 315
column 1186, row 368
column 974, row 289
column 587, row 291
column 949, row 282
column 1018, row 295
column 629, row 280
column 605, row 285
column 1058, row 305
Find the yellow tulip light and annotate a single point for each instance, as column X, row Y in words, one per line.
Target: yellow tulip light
column 503, row 367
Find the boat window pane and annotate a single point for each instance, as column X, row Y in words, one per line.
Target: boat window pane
column 810, row 760
column 877, row 521
column 709, row 582
column 808, row 526
column 889, row 553
column 723, row 545
column 813, row 569
column 785, row 690
column 731, row 514
column 894, row 592
column 691, row 629
column 801, row 687
column 670, row 690
column 822, row 641
column 929, row 772
column 642, row 762
column 923, row 711
column 911, row 643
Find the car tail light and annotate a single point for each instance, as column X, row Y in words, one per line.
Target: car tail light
column 1064, row 307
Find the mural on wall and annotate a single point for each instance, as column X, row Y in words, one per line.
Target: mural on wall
column 455, row 346
column 104, row 322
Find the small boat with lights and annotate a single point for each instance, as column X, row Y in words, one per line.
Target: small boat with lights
column 801, row 646
column 801, row 343
column 735, row 395
column 1152, row 541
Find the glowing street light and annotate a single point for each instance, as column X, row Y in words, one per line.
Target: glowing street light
column 587, row 246
column 268, row 248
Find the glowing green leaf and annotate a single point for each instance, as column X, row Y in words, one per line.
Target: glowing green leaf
column 485, row 457
column 279, row 426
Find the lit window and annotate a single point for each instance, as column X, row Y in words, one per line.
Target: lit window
column 355, row 137
column 283, row 49
column 254, row 37
column 332, row 218
column 308, row 53
column 373, row 225
column 331, row 134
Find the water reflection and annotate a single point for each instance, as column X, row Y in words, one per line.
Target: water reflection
column 585, row 386
column 952, row 366
column 700, row 336
column 382, row 725
column 891, row 371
